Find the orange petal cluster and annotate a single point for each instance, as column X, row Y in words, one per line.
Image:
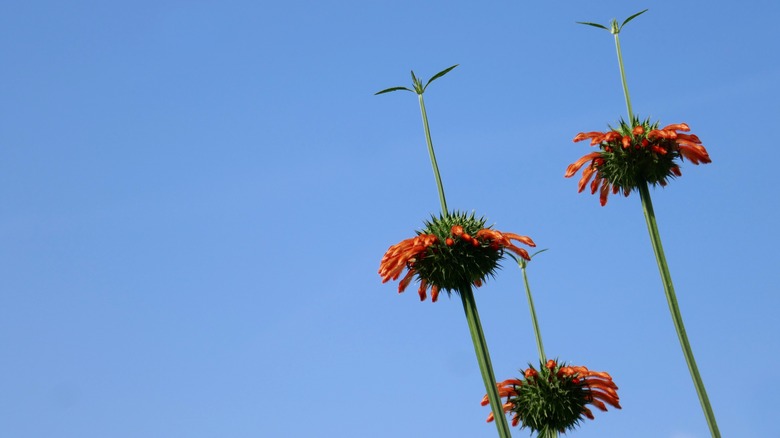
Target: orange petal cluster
column 688, row 145
column 408, row 252
column 600, row 387
column 600, row 390
column 508, row 389
column 497, row 239
column 404, row 255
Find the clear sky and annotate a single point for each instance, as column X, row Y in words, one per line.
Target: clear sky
column 195, row 196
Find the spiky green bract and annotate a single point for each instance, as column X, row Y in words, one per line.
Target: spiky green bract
column 451, row 267
column 643, row 160
column 549, row 401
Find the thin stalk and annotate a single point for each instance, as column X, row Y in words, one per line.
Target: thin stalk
column 623, row 79
column 666, row 277
column 483, row 358
column 470, row 306
column 537, row 332
column 671, row 298
column 436, row 174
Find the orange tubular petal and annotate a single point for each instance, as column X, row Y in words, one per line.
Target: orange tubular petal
column 638, row 130
column 587, row 174
column 487, row 233
column 695, row 146
column 392, row 272
column 588, row 413
column 601, row 385
column 593, row 135
column 490, row 417
column 604, row 193
column 574, row 167
column 594, row 185
column 423, row 288
column 658, row 149
column 599, row 374
column 406, row 280
column 599, row 404
column 434, row 293
column 677, row 127
column 689, row 137
column 661, row 133
column 693, row 155
column 608, row 396
column 599, row 378
column 689, row 149
column 523, row 239
column 519, row 251
column 612, row 401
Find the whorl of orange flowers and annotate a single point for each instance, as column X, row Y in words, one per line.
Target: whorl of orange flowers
column 555, row 397
column 635, row 154
column 452, row 252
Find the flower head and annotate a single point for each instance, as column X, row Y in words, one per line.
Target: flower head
column 554, row 398
column 635, row 154
column 452, row 252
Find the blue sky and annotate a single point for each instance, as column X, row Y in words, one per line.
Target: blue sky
column 195, row 196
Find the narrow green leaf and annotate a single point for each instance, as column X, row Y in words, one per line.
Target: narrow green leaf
column 632, row 17
column 388, row 90
column 438, row 75
column 593, row 24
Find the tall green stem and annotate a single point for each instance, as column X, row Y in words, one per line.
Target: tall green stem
column 623, row 78
column 537, row 332
column 436, row 174
column 666, row 277
column 470, row 307
column 671, row 298
column 483, row 358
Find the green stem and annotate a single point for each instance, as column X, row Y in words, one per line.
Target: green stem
column 483, row 358
column 623, row 79
column 470, row 307
column 436, row 174
column 537, row 332
column 671, row 298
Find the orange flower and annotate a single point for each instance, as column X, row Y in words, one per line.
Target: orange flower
column 453, row 251
column 404, row 255
column 555, row 397
column 632, row 155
